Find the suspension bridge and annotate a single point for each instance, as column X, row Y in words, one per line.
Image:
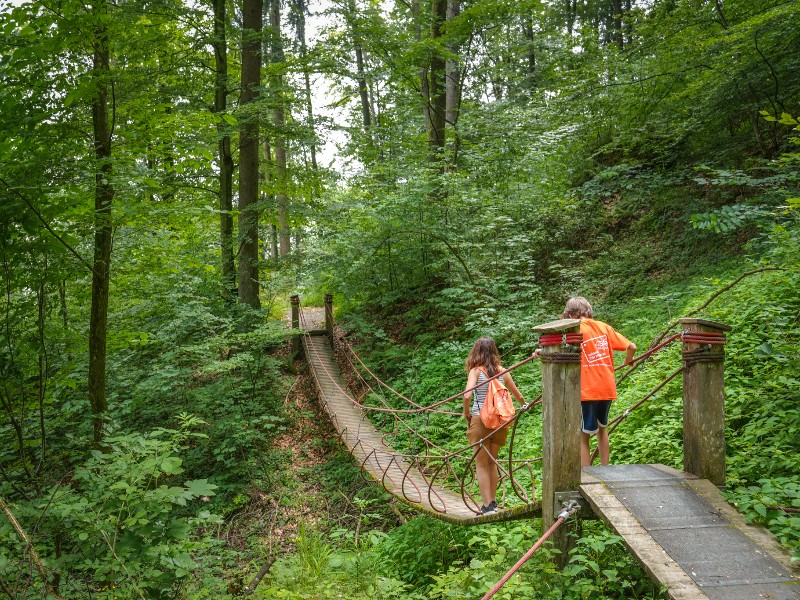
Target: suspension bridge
column 675, row 523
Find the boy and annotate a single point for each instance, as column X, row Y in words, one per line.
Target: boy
column 598, row 386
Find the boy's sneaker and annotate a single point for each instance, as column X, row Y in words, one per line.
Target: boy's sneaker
column 489, row 510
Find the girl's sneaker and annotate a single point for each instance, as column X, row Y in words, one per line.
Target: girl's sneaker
column 489, row 510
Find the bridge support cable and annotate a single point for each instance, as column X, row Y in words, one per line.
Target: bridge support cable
column 445, row 469
column 430, row 481
column 568, row 509
column 425, row 471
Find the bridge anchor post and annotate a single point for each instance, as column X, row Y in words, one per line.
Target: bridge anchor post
column 704, row 399
column 561, row 418
column 297, row 343
column 329, row 317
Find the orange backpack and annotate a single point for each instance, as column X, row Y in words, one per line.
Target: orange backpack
column 497, row 408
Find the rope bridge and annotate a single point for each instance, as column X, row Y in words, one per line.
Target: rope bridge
column 435, row 479
column 676, row 523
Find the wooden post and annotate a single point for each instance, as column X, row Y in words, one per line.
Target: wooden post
column 561, row 425
column 329, row 317
column 297, row 344
column 704, row 399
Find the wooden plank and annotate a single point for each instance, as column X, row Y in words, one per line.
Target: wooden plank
column 705, row 323
column 559, row 326
column 759, row 535
column 642, row 546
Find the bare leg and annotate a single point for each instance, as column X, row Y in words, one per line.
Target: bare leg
column 494, row 476
column 603, row 445
column 585, row 456
column 483, row 470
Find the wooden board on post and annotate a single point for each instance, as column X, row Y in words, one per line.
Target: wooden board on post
column 704, row 399
column 561, row 418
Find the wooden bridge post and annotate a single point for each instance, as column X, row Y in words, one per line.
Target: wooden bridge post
column 329, row 317
column 561, row 424
column 704, row 399
column 297, row 343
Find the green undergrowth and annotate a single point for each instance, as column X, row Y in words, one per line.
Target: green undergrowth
column 762, row 386
column 429, row 559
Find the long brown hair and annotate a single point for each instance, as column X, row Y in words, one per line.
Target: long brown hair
column 484, row 354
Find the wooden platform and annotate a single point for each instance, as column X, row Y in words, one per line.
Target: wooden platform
column 687, row 537
column 380, row 462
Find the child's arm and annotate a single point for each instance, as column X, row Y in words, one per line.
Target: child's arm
column 629, row 353
column 512, row 387
column 472, row 379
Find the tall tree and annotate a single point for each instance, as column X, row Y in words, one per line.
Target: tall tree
column 103, row 198
column 225, row 157
column 299, row 11
column 453, row 69
column 278, row 60
column 249, row 154
column 434, row 86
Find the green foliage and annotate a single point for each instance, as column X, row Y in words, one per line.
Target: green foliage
column 122, row 524
column 570, row 167
column 773, row 502
column 600, row 565
column 423, row 546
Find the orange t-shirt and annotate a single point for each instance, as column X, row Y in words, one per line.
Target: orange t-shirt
column 597, row 359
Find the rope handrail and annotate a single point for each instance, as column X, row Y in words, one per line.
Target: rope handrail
column 381, row 383
column 568, row 510
column 444, row 457
column 435, row 464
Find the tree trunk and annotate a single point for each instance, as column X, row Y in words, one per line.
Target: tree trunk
column 528, row 32
column 453, row 76
column 366, row 113
column 437, row 89
column 271, row 249
column 103, row 198
column 618, row 37
column 301, row 37
column 43, row 364
column 280, row 142
column 248, row 155
column 224, row 150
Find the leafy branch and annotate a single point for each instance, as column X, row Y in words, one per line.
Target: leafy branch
column 660, row 337
column 46, row 225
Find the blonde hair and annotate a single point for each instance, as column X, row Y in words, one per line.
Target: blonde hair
column 577, row 307
column 484, row 354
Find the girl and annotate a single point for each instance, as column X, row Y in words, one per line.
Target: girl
column 483, row 363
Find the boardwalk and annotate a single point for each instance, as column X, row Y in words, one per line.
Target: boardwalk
column 687, row 537
column 368, row 447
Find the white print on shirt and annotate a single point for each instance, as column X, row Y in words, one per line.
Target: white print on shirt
column 596, row 351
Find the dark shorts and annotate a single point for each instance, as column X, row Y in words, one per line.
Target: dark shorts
column 595, row 415
column 477, row 431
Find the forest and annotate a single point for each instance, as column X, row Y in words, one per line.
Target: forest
column 172, row 172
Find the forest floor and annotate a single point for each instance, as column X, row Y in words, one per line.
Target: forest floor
column 268, row 526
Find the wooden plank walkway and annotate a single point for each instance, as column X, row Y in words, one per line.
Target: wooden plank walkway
column 687, row 537
column 379, row 460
